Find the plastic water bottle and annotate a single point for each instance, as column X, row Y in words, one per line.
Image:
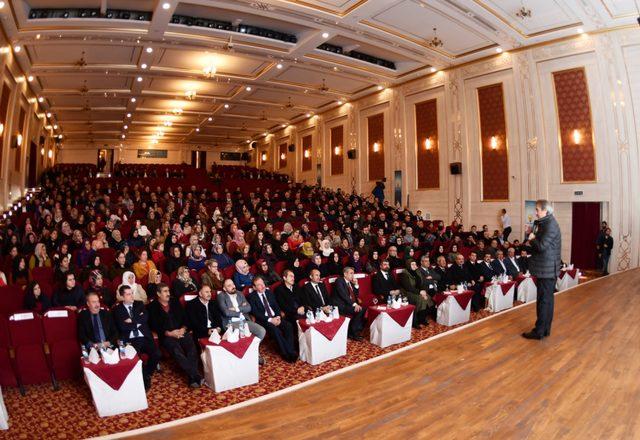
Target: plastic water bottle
column 309, row 316
column 85, row 353
column 389, row 301
column 121, row 349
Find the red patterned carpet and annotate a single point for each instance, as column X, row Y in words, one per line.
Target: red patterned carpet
column 69, row 412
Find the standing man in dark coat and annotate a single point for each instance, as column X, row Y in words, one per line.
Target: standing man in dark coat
column 545, row 243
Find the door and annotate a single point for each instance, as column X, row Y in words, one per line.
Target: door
column 585, row 225
column 32, row 178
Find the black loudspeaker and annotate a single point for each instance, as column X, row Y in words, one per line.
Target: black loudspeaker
column 455, row 167
column 351, row 154
column 292, row 148
column 253, row 145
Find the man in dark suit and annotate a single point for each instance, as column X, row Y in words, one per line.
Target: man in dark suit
column 168, row 320
column 287, row 298
column 477, row 274
column 523, row 260
column 265, row 309
column 314, row 293
column 430, row 277
column 345, row 297
column 545, row 243
column 458, row 273
column 202, row 314
column 441, row 269
column 383, row 284
column 498, row 264
column 95, row 326
column 513, row 268
column 486, row 268
column 131, row 319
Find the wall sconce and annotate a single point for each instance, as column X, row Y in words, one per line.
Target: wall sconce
column 307, row 154
column 264, row 157
column 577, row 137
column 428, row 144
column 50, row 154
column 336, row 150
column 283, row 156
column 376, row 147
column 18, row 140
column 42, row 151
column 494, row 142
column 1, row 128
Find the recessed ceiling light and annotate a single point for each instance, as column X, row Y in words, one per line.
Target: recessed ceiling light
column 17, row 48
column 325, row 35
column 380, row 87
column 48, row 114
column 197, row 128
column 143, row 66
column 308, row 115
column 580, row 30
column 248, row 88
column 133, row 99
column 285, row 125
column 149, row 49
column 41, row 99
column 1, row 5
column 37, row 36
column 340, row 102
column 279, row 66
column 128, row 115
column 433, row 70
column 55, row 126
column 499, row 49
column 226, row 106
column 139, row 79
column 123, row 136
column 210, row 119
column 166, row 5
column 126, row 127
column 266, row 133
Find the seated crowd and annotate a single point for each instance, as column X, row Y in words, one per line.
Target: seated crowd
column 129, row 259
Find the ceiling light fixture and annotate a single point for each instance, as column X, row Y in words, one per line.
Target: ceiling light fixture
column 17, row 48
column 433, row 70
column 143, row 66
column 41, row 99
column 435, row 41
column 380, row 87
column 133, row 99
column 1, row 5
column 149, row 49
column 128, row 115
column 198, row 129
column 523, row 13
column 30, row 78
column 123, row 136
column 48, row 114
column 248, row 88
column 210, row 71
column 55, row 126
column 126, row 127
column 209, row 119
column 139, row 79
column 499, row 49
column 325, row 35
column 580, row 31
column 279, row 66
column 226, row 106
column 308, row 115
column 166, row 6
column 340, row 102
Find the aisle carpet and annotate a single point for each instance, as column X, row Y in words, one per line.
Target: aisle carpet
column 69, row 412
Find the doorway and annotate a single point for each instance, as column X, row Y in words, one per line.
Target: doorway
column 199, row 159
column 585, row 225
column 32, row 160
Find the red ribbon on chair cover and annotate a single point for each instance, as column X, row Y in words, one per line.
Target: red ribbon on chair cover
column 401, row 315
column 572, row 273
column 506, row 287
column 238, row 349
column 113, row 375
column 326, row 329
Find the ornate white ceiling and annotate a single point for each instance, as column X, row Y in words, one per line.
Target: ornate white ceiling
column 89, row 71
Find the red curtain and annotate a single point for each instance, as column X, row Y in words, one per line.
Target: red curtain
column 585, row 226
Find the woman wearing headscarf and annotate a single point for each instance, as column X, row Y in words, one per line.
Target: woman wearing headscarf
column 268, row 255
column 333, row 266
column 242, row 277
column 142, row 267
column 129, row 279
column 175, row 259
column 40, row 258
column 196, row 260
column 221, row 257
column 85, row 254
column 96, row 284
column 298, row 271
column 325, row 248
column 183, row 283
column 95, row 264
column 356, row 262
column 117, row 242
column 411, row 284
column 35, row 299
column 155, row 278
column 306, row 249
column 268, row 274
column 373, row 263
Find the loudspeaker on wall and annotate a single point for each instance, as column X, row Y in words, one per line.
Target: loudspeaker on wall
column 351, row 154
column 455, row 167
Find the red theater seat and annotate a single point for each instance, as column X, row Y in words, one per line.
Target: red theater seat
column 7, row 371
column 42, row 275
column 61, row 336
column 11, row 299
column 27, row 340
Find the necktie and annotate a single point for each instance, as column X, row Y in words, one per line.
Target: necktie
column 136, row 332
column 351, row 295
column 98, row 333
column 319, row 293
column 266, row 305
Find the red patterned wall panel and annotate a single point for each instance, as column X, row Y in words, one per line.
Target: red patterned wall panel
column 282, row 160
column 574, row 113
column 428, row 154
column 337, row 146
column 493, row 135
column 375, row 131
column 306, row 153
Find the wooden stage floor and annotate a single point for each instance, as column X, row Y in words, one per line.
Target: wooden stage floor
column 484, row 381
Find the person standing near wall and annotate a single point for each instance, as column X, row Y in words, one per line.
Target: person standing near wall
column 506, row 225
column 604, row 245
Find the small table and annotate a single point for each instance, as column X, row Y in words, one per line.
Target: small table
column 389, row 326
column 527, row 289
column 117, row 388
column 567, row 279
column 4, row 416
column 230, row 365
column 322, row 341
column 499, row 295
column 453, row 307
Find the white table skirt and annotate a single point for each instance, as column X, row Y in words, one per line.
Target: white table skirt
column 385, row 331
column 315, row 348
column 567, row 281
column 450, row 313
column 527, row 291
column 496, row 300
column 224, row 370
column 4, row 416
column 129, row 398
